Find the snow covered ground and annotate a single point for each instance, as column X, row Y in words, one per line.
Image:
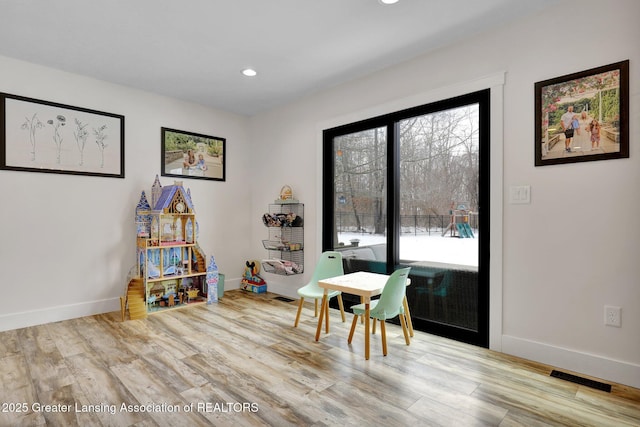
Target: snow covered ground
column 424, row 247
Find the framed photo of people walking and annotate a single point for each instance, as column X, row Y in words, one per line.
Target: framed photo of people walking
column 583, row 116
column 193, row 155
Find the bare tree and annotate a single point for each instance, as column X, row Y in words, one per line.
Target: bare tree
column 439, row 165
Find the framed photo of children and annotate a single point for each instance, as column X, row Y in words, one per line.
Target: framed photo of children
column 583, row 116
column 43, row 136
column 193, row 155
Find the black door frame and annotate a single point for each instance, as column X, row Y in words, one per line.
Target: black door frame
column 480, row 336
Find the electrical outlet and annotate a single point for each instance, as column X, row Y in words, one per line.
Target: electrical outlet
column 612, row 316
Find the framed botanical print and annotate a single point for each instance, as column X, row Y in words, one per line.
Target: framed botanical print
column 43, row 136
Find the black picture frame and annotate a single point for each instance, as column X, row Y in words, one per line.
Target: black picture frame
column 600, row 93
column 209, row 155
column 49, row 137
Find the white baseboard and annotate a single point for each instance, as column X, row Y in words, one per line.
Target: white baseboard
column 283, row 290
column 589, row 364
column 56, row 314
column 73, row 311
column 281, row 285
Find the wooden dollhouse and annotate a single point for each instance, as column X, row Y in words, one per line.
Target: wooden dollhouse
column 170, row 265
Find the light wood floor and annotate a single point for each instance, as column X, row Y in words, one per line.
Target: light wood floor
column 241, row 362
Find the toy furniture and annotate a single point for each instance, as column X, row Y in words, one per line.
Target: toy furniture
column 365, row 285
column 387, row 307
column 169, row 261
column 329, row 265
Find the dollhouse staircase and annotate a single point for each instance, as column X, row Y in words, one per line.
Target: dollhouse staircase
column 135, row 299
column 201, row 261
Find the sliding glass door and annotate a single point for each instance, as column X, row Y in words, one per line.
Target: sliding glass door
column 411, row 189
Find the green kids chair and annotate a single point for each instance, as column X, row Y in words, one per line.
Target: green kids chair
column 387, row 307
column 329, row 265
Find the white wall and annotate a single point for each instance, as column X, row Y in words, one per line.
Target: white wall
column 67, row 242
column 561, row 258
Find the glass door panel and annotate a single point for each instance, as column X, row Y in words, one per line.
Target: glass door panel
column 360, row 199
column 439, row 221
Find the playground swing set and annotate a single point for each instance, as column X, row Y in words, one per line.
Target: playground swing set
column 459, row 225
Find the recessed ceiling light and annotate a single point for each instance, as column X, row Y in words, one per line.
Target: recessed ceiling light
column 388, row 1
column 249, row 72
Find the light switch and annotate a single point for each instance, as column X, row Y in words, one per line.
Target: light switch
column 520, row 194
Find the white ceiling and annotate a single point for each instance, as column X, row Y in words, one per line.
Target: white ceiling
column 195, row 49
